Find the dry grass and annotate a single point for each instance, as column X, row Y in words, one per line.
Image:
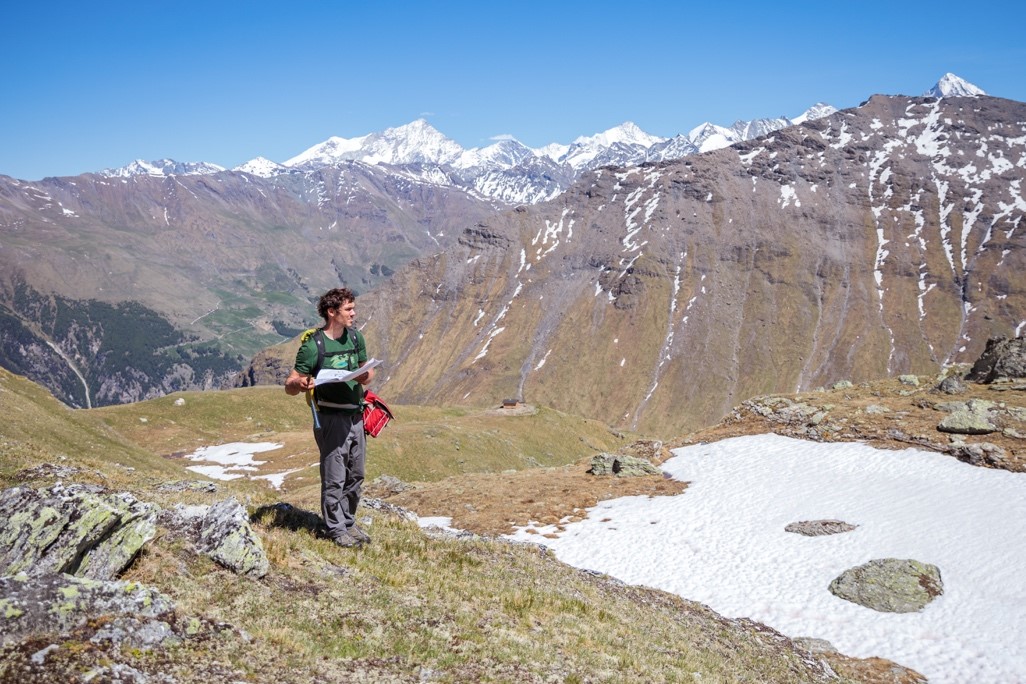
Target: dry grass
column 465, row 611
column 495, row 504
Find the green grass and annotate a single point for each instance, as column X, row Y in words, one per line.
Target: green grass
column 36, row 428
column 424, row 443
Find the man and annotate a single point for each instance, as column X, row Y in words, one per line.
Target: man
column 338, row 429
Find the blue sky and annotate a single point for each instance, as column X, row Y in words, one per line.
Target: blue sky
column 94, row 85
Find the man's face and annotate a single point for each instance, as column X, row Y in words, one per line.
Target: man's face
column 344, row 314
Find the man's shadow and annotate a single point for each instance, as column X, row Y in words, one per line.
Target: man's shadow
column 286, row 515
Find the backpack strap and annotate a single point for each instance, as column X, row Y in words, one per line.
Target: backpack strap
column 319, row 341
column 319, row 336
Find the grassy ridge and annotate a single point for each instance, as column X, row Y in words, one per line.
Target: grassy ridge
column 424, row 443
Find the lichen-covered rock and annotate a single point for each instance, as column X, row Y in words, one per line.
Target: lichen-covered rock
column 819, row 528
column 227, row 537
column 814, row 645
column 952, row 385
column 890, row 585
column 911, row 380
column 622, row 466
column 842, row 384
column 188, row 486
column 54, row 602
column 974, row 418
column 1003, row 359
column 82, row 530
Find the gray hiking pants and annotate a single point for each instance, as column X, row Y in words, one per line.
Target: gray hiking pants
column 343, row 448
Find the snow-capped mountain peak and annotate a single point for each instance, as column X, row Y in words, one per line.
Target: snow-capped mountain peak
column 554, row 151
column 261, row 166
column 332, row 150
column 816, row 111
column 162, row 167
column 417, row 142
column 709, row 136
column 502, row 154
column 626, row 133
column 952, row 86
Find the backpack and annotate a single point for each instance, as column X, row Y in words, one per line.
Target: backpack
column 376, row 413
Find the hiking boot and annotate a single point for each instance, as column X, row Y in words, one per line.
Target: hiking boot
column 345, row 540
column 359, row 535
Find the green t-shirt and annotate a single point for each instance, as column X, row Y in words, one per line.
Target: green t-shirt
column 348, row 352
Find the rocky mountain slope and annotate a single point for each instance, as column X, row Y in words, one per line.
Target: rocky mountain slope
column 880, row 240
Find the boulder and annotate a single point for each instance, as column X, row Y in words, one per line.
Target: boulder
column 226, row 536
column 622, row 466
column 890, row 585
column 1003, row 359
column 819, row 528
column 83, row 530
column 974, row 418
column 952, row 385
column 55, row 602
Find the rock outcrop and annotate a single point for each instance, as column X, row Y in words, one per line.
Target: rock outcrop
column 83, row 530
column 226, row 536
column 56, row 603
column 890, row 585
column 621, row 466
column 1003, row 360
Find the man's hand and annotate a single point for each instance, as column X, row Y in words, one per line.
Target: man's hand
column 365, row 378
column 298, row 383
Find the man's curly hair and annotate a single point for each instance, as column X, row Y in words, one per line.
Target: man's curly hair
column 333, row 299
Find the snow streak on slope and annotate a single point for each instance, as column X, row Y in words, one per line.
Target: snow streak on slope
column 665, row 354
column 495, row 329
column 879, row 173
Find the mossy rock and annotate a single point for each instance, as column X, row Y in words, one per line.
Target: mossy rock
column 890, row 585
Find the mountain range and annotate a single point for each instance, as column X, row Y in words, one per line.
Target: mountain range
column 860, row 243
column 507, row 171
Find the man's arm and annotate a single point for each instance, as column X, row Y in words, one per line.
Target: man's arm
column 297, row 383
